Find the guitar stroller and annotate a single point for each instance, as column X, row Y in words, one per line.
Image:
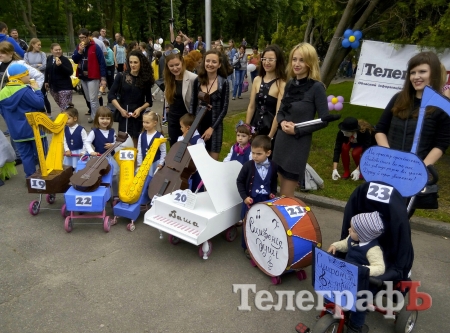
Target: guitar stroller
column 397, row 248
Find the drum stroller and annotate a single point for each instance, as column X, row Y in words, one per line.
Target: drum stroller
column 397, row 250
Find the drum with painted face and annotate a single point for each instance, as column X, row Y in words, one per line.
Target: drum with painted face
column 280, row 233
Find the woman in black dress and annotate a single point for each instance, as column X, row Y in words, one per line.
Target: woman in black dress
column 212, row 79
column 131, row 94
column 267, row 92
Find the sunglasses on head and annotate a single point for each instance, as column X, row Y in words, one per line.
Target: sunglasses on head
column 174, row 51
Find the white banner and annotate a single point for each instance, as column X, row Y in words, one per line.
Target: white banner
column 382, row 70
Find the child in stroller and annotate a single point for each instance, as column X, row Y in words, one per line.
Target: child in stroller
column 362, row 248
column 395, row 241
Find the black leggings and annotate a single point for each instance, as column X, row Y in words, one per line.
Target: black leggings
column 173, row 127
column 48, row 107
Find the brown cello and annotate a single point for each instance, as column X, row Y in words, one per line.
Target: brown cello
column 179, row 167
column 90, row 178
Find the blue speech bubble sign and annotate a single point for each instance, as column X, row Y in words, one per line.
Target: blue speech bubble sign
column 405, row 171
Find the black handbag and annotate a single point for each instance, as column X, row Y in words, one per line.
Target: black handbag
column 427, row 198
column 237, row 65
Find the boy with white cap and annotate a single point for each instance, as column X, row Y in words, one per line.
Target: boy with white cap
column 362, row 248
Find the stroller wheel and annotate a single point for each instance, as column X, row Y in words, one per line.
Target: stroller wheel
column 275, row 280
column 405, row 321
column 326, row 324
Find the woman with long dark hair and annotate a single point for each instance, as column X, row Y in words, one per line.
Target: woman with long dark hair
column 212, row 79
column 131, row 94
column 179, row 84
column 267, row 92
column 397, row 124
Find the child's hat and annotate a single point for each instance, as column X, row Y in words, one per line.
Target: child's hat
column 368, row 226
column 17, row 71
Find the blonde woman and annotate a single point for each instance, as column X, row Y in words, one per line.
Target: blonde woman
column 304, row 96
column 38, row 59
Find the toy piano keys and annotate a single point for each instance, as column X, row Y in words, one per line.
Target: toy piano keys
column 214, row 211
column 280, row 234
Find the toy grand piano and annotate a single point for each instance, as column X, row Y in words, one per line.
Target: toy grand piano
column 203, row 215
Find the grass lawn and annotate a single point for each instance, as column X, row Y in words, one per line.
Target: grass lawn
column 321, row 156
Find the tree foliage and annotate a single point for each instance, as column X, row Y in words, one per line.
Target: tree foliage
column 284, row 22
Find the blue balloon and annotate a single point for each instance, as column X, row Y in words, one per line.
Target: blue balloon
column 357, row 34
column 346, row 43
column 355, row 44
column 348, row 33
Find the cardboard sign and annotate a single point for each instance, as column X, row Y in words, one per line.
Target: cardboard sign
column 332, row 274
column 404, row 171
column 184, row 198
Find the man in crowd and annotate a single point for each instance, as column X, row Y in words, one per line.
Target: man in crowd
column 199, row 41
column 102, row 36
column 180, row 41
column 15, row 34
column 91, row 69
column 95, row 37
column 5, row 38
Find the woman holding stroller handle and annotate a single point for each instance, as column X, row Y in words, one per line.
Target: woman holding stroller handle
column 304, row 96
column 397, row 124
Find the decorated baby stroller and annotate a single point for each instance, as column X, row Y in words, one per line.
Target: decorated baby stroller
column 397, row 250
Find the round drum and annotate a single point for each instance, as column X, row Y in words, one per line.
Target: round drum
column 280, row 233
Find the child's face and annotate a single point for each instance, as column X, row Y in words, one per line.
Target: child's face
column 71, row 121
column 184, row 128
column 148, row 123
column 242, row 139
column 352, row 232
column 104, row 122
column 25, row 79
column 259, row 155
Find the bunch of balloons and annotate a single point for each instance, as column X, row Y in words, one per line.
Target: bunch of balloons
column 335, row 103
column 351, row 38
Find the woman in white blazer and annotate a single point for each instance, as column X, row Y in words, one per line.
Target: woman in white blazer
column 178, row 90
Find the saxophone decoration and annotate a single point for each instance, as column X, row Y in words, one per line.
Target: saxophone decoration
column 130, row 185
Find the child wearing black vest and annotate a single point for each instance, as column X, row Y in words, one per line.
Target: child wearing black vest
column 241, row 151
column 362, row 248
column 150, row 121
column 75, row 137
column 102, row 137
column 257, row 180
column 186, row 122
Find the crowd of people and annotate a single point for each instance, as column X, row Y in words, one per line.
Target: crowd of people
column 268, row 144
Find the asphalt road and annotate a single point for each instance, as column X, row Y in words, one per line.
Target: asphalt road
column 121, row 281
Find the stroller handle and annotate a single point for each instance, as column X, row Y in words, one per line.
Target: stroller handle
column 375, row 281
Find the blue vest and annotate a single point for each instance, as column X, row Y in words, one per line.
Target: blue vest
column 100, row 140
column 145, row 145
column 194, row 139
column 74, row 140
column 258, row 182
column 241, row 158
column 358, row 254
